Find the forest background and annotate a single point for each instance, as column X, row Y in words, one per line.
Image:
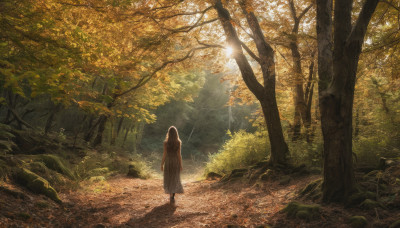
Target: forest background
column 116, row 74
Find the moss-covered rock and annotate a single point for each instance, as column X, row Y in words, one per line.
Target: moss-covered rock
column 396, row 224
column 359, row 197
column 53, row 162
column 35, row 183
column 358, row 222
column 302, row 211
column 370, row 204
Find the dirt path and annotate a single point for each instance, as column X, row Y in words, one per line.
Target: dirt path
column 129, row 202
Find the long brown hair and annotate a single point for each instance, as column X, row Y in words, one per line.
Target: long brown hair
column 172, row 139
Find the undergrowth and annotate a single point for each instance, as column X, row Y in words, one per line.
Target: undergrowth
column 116, row 163
column 241, row 150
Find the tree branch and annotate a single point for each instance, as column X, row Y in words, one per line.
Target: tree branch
column 232, row 39
column 252, row 54
column 186, row 13
column 357, row 34
column 391, row 4
column 147, row 78
column 305, row 11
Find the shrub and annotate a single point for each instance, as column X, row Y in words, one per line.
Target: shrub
column 242, row 150
column 368, row 150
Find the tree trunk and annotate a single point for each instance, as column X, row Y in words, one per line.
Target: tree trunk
column 337, row 73
column 102, row 126
column 115, row 135
column 126, row 135
column 308, row 96
column 50, row 119
column 299, row 97
column 265, row 94
column 92, row 127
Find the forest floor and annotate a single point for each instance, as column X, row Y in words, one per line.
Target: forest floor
column 125, row 202
column 120, row 201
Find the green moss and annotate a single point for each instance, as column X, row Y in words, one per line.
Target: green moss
column 358, row 222
column 370, row 204
column 36, row 183
column 38, row 167
column 396, row 224
column 359, row 197
column 302, row 211
column 53, row 162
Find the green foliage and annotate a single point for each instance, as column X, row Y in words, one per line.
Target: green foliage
column 358, row 221
column 242, row 150
column 97, row 164
column 309, row 154
column 302, row 211
column 369, row 149
column 202, row 124
column 54, row 162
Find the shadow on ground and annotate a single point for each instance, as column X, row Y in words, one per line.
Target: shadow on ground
column 160, row 216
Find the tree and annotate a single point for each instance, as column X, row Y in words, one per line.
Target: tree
column 302, row 99
column 264, row 93
column 338, row 55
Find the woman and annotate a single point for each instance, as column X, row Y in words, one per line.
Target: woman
column 171, row 163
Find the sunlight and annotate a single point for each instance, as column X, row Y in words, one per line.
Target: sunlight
column 228, row 51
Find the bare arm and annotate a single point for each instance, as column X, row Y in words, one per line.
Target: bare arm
column 163, row 157
column 180, row 158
